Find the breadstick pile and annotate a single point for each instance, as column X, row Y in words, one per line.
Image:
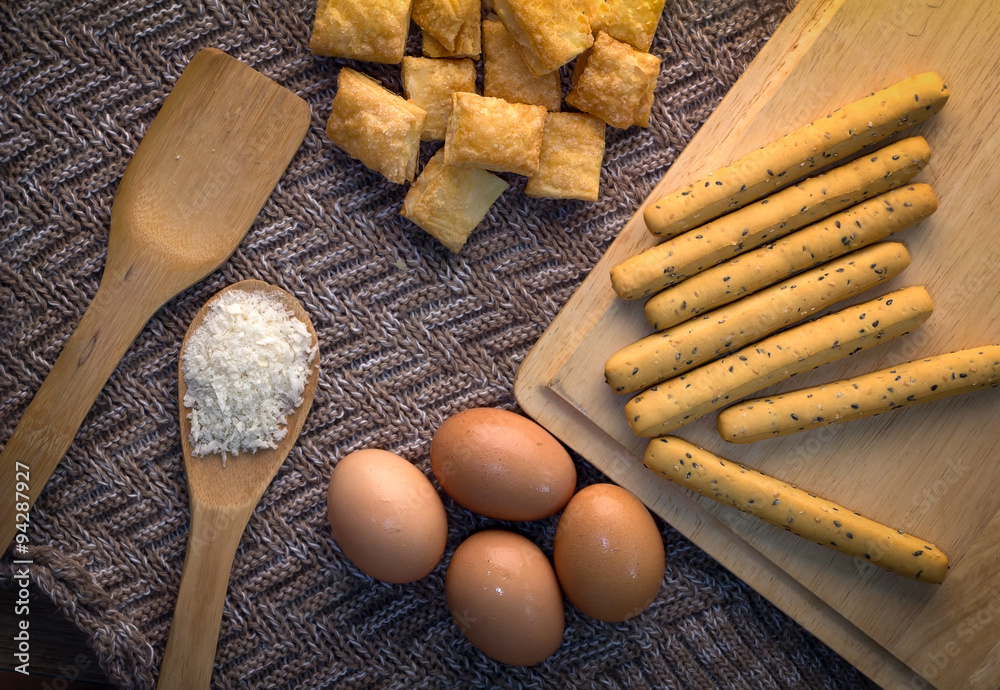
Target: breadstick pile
column 750, row 253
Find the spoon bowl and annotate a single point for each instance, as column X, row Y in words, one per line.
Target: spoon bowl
column 223, row 499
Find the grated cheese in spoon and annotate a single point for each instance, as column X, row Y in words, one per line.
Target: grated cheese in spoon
column 245, row 368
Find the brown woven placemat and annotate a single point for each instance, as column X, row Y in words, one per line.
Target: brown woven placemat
column 409, row 334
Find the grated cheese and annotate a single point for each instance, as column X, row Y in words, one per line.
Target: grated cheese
column 245, row 368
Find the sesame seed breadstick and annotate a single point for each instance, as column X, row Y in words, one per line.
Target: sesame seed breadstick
column 843, row 132
column 858, row 226
column 800, row 512
column 697, row 341
column 685, row 398
column 881, row 391
column 776, row 216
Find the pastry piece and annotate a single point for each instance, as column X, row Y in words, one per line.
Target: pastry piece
column 615, row 82
column 672, row 404
column 449, row 201
column 370, row 30
column 506, row 75
column 671, row 262
column 429, row 83
column 794, row 509
column 630, row 21
column 442, row 19
column 550, row 32
column 376, row 126
column 493, row 134
column 834, row 236
column 570, row 162
column 924, row 380
column 468, row 43
column 855, row 127
column 687, row 346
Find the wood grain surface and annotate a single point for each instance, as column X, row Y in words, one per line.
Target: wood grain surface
column 925, row 469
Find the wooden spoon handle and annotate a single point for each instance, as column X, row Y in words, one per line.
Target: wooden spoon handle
column 194, row 631
column 51, row 420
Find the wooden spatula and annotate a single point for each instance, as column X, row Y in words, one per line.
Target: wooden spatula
column 200, row 176
column 222, row 500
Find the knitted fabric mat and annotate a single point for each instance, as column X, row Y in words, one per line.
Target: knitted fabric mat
column 409, row 334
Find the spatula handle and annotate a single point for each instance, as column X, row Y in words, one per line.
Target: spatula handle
column 194, row 632
column 51, row 420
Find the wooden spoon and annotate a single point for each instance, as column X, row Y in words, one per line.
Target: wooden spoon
column 200, row 176
column 222, row 501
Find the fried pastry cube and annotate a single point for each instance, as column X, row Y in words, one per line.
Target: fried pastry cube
column 493, row 134
column 429, row 83
column 570, row 162
column 376, row 126
column 630, row 21
column 506, row 75
column 550, row 32
column 442, row 19
column 449, row 201
column 371, row 30
column 615, row 82
column 468, row 42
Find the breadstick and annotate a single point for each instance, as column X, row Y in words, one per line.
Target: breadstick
column 685, row 398
column 691, row 344
column 774, row 217
column 843, row 232
column 797, row 511
column 920, row 381
column 794, row 156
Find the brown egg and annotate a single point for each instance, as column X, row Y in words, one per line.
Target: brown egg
column 502, row 465
column 504, row 597
column 386, row 516
column 608, row 553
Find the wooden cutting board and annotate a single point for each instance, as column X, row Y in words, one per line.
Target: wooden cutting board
column 929, row 469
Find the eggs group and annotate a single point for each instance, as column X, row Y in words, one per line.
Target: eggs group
column 504, row 594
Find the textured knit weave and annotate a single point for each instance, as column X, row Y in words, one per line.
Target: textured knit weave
column 409, row 335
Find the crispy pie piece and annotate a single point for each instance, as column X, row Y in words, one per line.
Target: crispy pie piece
column 615, row 82
column 468, row 42
column 429, row 83
column 631, row 21
column 442, row 19
column 371, row 30
column 449, row 201
column 493, row 134
column 570, row 162
column 506, row 75
column 376, row 126
column 550, row 32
